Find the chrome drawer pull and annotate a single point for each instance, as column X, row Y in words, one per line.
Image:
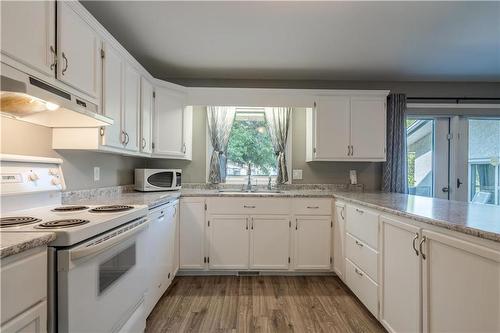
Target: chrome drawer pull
column 358, row 272
column 414, row 244
column 245, row 206
column 359, row 211
column 312, row 207
column 424, row 238
column 359, row 244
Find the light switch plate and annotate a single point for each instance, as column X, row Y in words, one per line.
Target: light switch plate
column 97, row 174
column 297, row 174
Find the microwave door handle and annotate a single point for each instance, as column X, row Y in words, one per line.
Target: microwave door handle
column 97, row 248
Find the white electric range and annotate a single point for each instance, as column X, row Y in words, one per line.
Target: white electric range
column 96, row 263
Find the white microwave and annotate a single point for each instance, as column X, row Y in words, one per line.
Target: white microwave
column 157, row 179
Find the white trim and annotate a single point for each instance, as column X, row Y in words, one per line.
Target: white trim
column 452, row 105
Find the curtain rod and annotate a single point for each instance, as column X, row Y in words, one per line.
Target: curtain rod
column 456, row 99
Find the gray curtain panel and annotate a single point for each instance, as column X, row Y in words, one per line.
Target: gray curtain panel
column 220, row 121
column 278, row 122
column 394, row 173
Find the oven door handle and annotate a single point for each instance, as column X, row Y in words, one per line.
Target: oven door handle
column 97, row 248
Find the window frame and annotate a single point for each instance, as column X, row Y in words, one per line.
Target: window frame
column 289, row 150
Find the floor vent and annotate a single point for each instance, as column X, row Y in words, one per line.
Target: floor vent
column 245, row 273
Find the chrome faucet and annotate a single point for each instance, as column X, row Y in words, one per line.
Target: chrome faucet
column 249, row 183
column 269, row 184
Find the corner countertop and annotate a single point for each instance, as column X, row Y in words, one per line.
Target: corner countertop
column 481, row 221
column 16, row 242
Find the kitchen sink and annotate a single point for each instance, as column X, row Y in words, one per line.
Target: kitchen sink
column 236, row 191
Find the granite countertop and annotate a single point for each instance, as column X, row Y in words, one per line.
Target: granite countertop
column 474, row 219
column 16, row 242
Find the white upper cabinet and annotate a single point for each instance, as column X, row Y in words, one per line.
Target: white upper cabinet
column 147, row 105
column 112, row 96
column 78, row 48
column 332, row 127
column 368, row 123
column 347, row 128
column 28, row 33
column 131, row 110
column 170, row 136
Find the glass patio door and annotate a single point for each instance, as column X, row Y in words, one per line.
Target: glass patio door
column 428, row 156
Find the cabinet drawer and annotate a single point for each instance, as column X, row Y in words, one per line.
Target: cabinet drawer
column 362, row 286
column 363, row 224
column 248, row 206
column 312, row 206
column 362, row 255
column 28, row 271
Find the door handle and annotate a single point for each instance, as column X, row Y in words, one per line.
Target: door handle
column 66, row 63
column 421, row 246
column 459, row 183
column 127, row 139
column 414, row 244
column 445, row 189
column 143, row 143
column 54, row 58
column 252, row 223
column 342, row 213
column 246, row 224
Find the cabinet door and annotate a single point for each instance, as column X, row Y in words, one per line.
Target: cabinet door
column 461, row 285
column 28, row 33
column 400, row 308
column 33, row 320
column 78, row 48
column 147, row 102
column 170, row 239
column 331, row 122
column 176, row 239
column 312, row 242
column 112, row 96
column 131, row 108
column 163, row 254
column 192, row 233
column 270, row 242
column 229, row 242
column 169, row 123
column 187, row 135
column 338, row 240
column 368, row 123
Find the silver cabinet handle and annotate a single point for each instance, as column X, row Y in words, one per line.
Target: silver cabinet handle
column 359, row 244
column 352, row 150
column 420, row 246
column 127, row 139
column 296, row 224
column 184, row 148
column 252, row 223
column 246, row 224
column 358, row 272
column 247, row 206
column 414, row 244
column 312, row 207
column 348, row 150
column 122, row 137
column 342, row 213
column 359, row 211
column 143, row 143
column 54, row 58
column 66, row 63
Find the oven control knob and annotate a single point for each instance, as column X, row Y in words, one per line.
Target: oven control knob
column 56, row 181
column 33, row 177
column 53, row 172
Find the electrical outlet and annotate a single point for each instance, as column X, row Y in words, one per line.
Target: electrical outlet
column 97, row 174
column 297, row 174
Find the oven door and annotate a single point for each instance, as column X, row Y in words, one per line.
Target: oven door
column 101, row 283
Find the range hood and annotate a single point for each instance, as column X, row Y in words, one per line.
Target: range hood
column 26, row 98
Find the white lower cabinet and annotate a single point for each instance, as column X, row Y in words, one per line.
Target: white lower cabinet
column 400, row 304
column 33, row 320
column 312, row 242
column 192, row 233
column 339, row 240
column 362, row 286
column 228, row 242
column 270, row 242
column 461, row 285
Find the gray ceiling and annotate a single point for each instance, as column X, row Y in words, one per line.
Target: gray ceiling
column 405, row 41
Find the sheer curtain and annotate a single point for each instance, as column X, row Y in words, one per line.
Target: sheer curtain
column 220, row 120
column 278, row 122
column 394, row 177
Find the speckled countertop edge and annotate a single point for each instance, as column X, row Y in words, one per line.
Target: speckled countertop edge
column 153, row 199
column 12, row 243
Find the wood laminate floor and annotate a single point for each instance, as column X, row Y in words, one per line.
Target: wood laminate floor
column 260, row 304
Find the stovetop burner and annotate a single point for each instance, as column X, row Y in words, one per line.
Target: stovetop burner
column 66, row 223
column 69, row 208
column 13, row 221
column 111, row 209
